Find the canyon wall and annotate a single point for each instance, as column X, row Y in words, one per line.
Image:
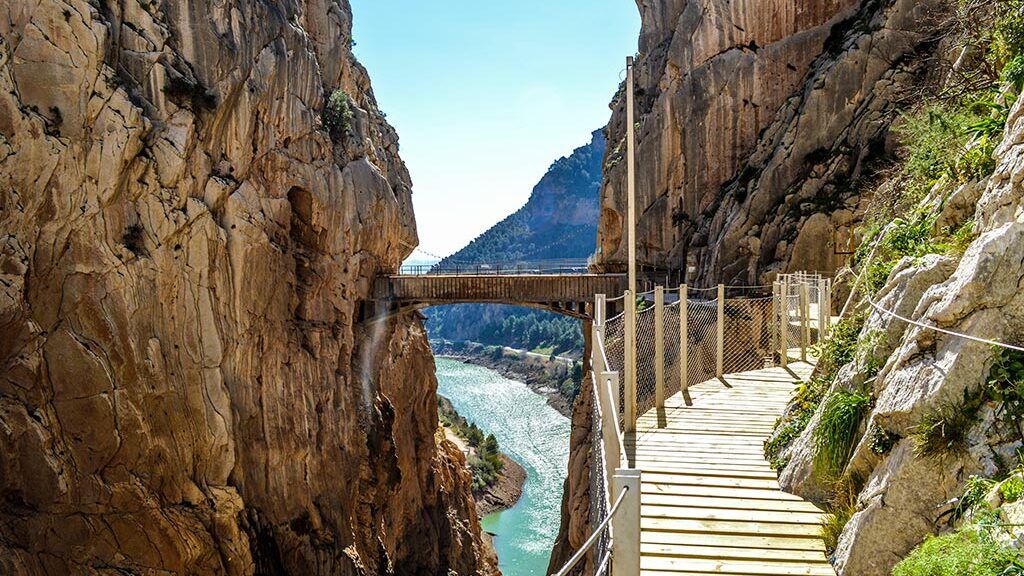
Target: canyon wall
column 195, row 199
column 753, row 119
column 758, row 124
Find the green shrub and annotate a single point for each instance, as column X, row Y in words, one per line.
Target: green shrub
column 975, row 491
column 882, row 440
column 1005, row 383
column 338, row 115
column 1008, row 32
column 789, row 428
column 1012, row 489
column 944, row 429
column 837, row 431
column 833, row 352
column 1013, row 72
column 841, row 509
column 955, row 240
column 832, row 524
column 839, row 348
column 962, row 553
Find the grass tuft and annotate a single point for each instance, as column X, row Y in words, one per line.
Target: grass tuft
column 836, row 432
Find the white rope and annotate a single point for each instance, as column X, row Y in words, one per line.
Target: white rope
column 944, row 331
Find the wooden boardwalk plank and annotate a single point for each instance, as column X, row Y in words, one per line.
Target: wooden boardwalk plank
column 710, row 503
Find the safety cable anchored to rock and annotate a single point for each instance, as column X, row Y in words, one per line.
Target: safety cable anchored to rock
column 943, row 330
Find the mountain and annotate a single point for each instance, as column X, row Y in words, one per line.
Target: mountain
column 559, row 221
column 196, row 197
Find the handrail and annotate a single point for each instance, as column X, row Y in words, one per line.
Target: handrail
column 619, row 435
column 944, row 331
column 594, row 536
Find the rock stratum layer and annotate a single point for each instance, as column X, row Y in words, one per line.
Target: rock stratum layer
column 753, row 120
column 187, row 385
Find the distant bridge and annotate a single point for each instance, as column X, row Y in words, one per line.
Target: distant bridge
column 564, row 289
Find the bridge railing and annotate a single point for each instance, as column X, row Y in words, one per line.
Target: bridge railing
column 545, row 267
column 680, row 337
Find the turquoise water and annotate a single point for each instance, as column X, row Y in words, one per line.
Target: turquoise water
column 533, row 434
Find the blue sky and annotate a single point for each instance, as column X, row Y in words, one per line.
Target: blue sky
column 486, row 95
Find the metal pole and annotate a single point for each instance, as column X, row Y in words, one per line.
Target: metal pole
column 659, row 346
column 630, row 354
column 684, row 339
column 610, row 382
column 626, row 524
column 720, row 364
column 631, row 174
column 805, row 321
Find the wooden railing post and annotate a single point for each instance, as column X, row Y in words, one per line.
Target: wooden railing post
column 784, row 322
column 805, row 321
column 626, row 524
column 659, row 346
column 828, row 307
column 629, row 403
column 720, row 356
column 822, row 310
column 684, row 339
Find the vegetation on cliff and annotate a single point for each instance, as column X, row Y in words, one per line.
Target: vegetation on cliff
column 484, row 459
column 896, row 417
column 984, row 542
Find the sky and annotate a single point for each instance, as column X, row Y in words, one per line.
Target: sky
column 485, row 95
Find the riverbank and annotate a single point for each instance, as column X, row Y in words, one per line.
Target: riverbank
column 506, row 489
column 556, row 379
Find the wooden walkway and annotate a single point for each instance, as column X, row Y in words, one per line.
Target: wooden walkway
column 710, row 503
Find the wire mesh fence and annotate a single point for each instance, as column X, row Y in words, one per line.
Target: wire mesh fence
column 747, row 334
column 679, row 344
column 701, row 340
column 645, row 362
column 600, row 501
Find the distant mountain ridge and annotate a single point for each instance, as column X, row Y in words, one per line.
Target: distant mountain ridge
column 559, row 221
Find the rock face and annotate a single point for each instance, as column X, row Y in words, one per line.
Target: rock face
column 906, row 495
column 188, row 385
column 754, row 118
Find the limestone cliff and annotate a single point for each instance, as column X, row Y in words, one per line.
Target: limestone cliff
column 195, row 198
column 753, row 118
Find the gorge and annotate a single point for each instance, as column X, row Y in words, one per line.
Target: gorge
column 198, row 199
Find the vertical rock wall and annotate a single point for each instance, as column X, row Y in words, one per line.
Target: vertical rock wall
column 187, row 384
column 753, row 120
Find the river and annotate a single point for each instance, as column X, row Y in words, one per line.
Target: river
column 533, row 434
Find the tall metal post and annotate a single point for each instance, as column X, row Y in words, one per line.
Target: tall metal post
column 630, row 344
column 684, row 339
column 631, row 174
column 659, row 346
column 629, row 402
column 720, row 357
